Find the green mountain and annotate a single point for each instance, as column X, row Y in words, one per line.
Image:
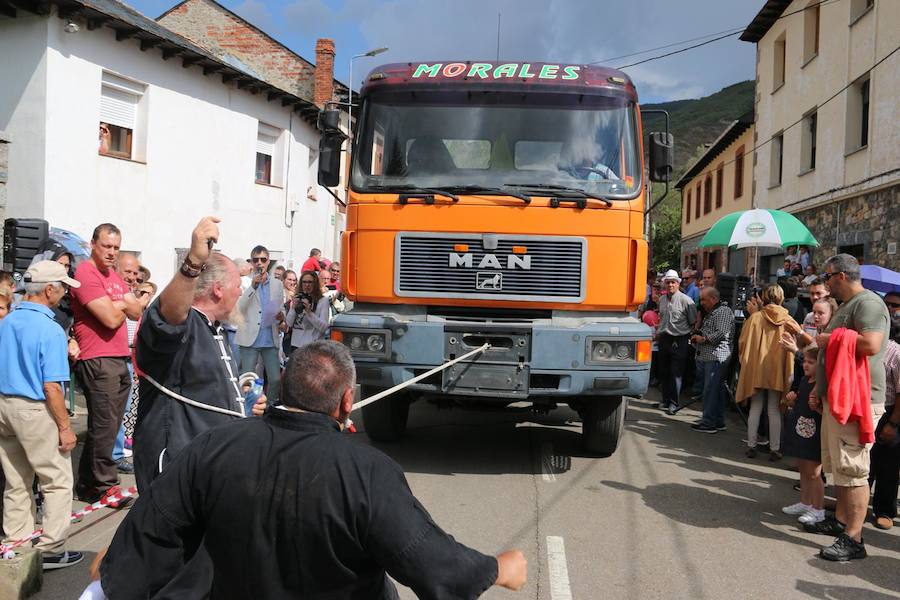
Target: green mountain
column 701, row 121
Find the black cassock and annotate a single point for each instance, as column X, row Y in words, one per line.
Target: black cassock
column 288, row 507
column 192, row 360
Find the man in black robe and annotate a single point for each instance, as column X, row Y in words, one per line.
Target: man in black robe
column 288, row 507
column 181, row 352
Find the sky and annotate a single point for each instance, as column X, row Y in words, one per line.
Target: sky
column 565, row 31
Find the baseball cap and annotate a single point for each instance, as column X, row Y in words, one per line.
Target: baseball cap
column 49, row 271
column 671, row 274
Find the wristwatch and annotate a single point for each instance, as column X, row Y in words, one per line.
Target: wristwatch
column 191, row 270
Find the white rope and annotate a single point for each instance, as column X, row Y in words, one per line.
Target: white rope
column 399, row 387
column 190, row 402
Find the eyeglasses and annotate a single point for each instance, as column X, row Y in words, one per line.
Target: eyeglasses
column 260, row 259
column 827, row 276
column 309, row 281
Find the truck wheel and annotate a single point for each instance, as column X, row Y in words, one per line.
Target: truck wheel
column 385, row 420
column 602, row 420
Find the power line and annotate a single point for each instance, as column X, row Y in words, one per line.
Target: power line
column 727, row 32
column 702, row 37
column 652, row 58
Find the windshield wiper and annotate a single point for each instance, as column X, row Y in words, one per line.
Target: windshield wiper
column 562, row 193
column 409, row 191
column 487, row 191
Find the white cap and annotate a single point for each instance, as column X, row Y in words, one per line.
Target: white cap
column 671, row 274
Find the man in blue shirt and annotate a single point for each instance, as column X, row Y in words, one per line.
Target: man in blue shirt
column 689, row 281
column 261, row 306
column 35, row 435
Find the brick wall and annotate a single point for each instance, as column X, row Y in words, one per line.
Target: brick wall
column 870, row 220
column 213, row 27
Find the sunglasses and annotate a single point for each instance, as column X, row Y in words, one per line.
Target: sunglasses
column 260, row 259
column 827, row 276
column 893, row 304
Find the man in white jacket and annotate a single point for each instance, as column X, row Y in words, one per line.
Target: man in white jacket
column 261, row 308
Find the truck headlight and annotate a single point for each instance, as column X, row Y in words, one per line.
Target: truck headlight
column 610, row 351
column 375, row 342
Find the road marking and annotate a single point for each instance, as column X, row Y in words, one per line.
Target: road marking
column 547, row 462
column 559, row 572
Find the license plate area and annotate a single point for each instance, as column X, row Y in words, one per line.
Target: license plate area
column 502, row 381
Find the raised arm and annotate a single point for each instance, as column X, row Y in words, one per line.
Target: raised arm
column 175, row 301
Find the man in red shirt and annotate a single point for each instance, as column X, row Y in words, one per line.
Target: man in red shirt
column 312, row 263
column 100, row 307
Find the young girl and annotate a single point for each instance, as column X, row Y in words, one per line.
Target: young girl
column 802, row 440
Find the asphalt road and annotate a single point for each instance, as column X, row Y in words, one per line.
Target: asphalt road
column 672, row 514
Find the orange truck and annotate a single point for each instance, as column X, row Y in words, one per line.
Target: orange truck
column 498, row 203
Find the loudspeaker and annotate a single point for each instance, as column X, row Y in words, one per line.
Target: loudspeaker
column 22, row 239
column 734, row 290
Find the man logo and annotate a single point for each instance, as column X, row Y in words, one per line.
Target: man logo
column 490, row 261
column 489, row 281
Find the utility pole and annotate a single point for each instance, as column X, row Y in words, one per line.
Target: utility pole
column 498, row 35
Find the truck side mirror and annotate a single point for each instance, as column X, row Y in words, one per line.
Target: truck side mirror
column 662, row 156
column 329, row 120
column 330, row 159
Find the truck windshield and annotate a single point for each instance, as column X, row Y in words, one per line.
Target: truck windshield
column 450, row 139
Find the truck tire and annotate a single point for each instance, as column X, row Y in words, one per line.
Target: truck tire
column 385, row 420
column 602, row 421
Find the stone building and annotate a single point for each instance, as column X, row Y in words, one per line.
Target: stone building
column 828, row 121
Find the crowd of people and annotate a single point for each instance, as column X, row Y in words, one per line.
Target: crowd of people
column 160, row 373
column 827, row 380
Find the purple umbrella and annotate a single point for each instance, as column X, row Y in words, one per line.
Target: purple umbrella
column 879, row 279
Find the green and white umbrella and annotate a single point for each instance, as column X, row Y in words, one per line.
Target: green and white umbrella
column 758, row 228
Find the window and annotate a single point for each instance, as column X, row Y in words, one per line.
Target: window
column 537, row 155
column 858, row 8
column 266, row 147
column 777, row 159
column 120, row 99
column 697, row 202
column 811, row 17
column 739, row 172
column 687, row 207
column 720, row 176
column 808, row 142
column 778, row 63
column 707, row 194
column 858, row 115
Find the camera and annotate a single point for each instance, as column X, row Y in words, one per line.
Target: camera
column 304, row 296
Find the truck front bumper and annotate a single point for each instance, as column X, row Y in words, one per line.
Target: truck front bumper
column 525, row 361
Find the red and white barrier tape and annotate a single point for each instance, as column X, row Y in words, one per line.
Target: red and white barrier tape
column 126, row 493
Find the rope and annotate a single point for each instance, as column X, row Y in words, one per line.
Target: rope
column 399, row 387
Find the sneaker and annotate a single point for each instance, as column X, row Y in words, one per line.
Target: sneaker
column 843, row 549
column 775, row 456
column 721, row 428
column 703, row 428
column 813, row 515
column 827, row 526
column 884, row 522
column 123, row 466
column 61, row 560
column 797, row 509
column 696, row 397
column 127, row 452
column 672, row 408
column 751, row 453
column 115, row 504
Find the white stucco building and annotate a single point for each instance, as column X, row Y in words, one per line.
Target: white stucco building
column 192, row 135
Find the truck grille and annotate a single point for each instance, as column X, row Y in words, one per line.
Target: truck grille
column 427, row 264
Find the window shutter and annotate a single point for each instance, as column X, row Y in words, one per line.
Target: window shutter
column 265, row 144
column 118, row 107
column 266, row 139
